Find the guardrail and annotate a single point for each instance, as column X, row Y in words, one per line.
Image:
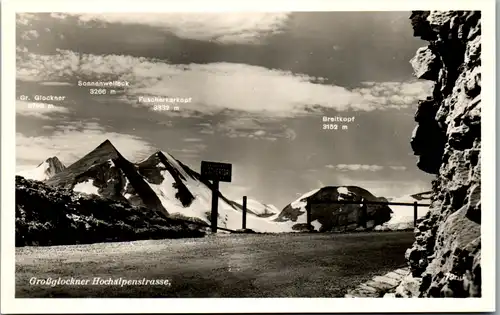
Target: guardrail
column 363, row 206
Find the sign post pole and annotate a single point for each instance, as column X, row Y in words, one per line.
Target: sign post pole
column 244, row 224
column 216, row 172
column 215, row 204
column 415, row 213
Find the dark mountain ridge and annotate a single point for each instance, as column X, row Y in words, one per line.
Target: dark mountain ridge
column 334, row 216
column 110, row 178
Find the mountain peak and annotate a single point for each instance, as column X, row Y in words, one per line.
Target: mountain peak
column 50, row 160
column 106, row 143
column 158, row 153
column 101, row 154
column 54, row 160
column 45, row 170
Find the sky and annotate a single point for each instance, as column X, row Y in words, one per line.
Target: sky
column 256, row 88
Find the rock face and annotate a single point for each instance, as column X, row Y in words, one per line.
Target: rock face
column 47, row 215
column 445, row 259
column 107, row 170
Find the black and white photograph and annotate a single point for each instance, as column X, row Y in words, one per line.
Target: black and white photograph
column 250, row 154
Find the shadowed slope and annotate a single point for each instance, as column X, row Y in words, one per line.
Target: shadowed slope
column 330, row 216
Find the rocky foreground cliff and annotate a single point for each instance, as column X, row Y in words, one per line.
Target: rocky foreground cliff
column 47, row 215
column 445, row 259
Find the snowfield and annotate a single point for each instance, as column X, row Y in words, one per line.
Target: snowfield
column 86, row 187
column 39, row 173
column 300, row 203
column 230, row 217
column 261, row 209
column 44, row 170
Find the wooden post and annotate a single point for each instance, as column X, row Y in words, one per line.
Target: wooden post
column 215, row 204
column 244, row 225
column 415, row 213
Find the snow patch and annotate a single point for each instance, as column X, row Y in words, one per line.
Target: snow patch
column 86, row 187
column 259, row 208
column 39, row 173
column 316, row 225
column 230, row 217
column 299, row 203
column 42, row 172
column 343, row 190
column 344, row 193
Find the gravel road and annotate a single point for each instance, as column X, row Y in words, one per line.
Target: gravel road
column 283, row 265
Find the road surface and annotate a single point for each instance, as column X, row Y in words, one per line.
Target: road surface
column 288, row 265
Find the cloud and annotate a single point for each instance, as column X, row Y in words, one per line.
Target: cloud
column 249, row 126
column 376, row 95
column 363, row 167
column 207, row 132
column 290, row 134
column 26, row 19
column 195, row 148
column 192, row 140
column 223, row 27
column 38, row 109
column 398, row 168
column 56, row 83
column 190, row 151
column 355, row 167
column 30, row 35
column 254, row 90
column 71, row 141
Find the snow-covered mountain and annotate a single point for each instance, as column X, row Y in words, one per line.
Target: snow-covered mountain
column 332, row 217
column 44, row 170
column 161, row 183
column 327, row 216
column 168, row 187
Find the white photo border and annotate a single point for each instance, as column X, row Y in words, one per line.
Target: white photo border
column 234, row 305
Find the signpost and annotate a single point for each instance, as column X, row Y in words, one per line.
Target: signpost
column 415, row 213
column 244, row 223
column 216, row 172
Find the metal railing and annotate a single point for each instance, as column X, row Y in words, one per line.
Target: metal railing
column 309, row 205
column 364, row 203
